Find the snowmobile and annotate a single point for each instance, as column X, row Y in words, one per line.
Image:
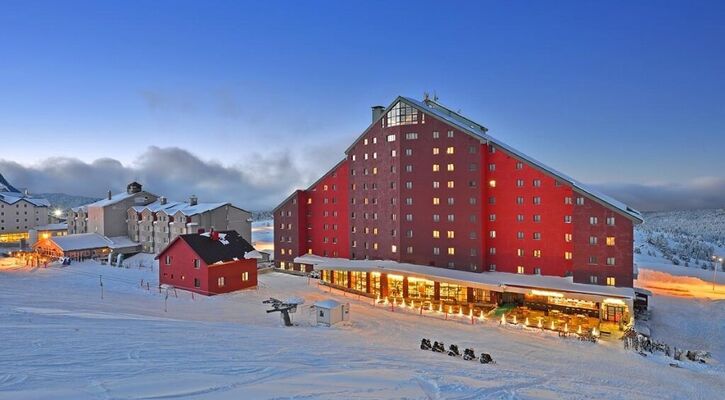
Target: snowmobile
column 439, row 347
column 486, row 359
column 453, row 351
column 469, row 355
column 425, row 344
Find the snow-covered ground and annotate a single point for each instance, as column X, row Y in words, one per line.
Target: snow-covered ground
column 60, row 340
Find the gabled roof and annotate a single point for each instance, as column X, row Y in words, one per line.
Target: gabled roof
column 229, row 247
column 470, row 127
column 14, row 197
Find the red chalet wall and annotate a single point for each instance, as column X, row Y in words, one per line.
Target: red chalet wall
column 181, row 273
column 232, row 272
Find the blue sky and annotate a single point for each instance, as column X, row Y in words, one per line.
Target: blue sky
column 612, row 93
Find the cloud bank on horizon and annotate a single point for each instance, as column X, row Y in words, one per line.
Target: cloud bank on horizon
column 260, row 182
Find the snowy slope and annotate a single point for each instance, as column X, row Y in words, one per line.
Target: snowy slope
column 61, row 341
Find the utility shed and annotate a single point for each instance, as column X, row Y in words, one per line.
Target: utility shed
column 330, row 312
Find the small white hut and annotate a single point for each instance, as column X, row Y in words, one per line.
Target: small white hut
column 330, row 312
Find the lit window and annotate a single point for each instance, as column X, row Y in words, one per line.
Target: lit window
column 436, row 167
column 375, row 140
column 520, row 252
column 393, row 249
column 450, row 150
column 375, row 170
column 492, row 234
column 450, row 167
column 520, row 269
column 245, row 276
column 393, row 153
column 220, row 281
column 567, row 255
column 451, row 251
column 492, row 183
column 436, row 150
column 611, row 281
column 567, row 237
column 450, row 184
column 402, row 114
column 375, row 246
column 610, row 240
column 436, row 201
column 391, row 138
column 451, row 234
column 365, row 141
column 436, row 234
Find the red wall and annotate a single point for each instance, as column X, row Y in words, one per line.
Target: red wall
column 181, row 273
column 232, row 273
column 328, row 230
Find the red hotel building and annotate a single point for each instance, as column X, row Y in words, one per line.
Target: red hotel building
column 424, row 186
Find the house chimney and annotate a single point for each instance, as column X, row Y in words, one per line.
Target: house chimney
column 193, row 200
column 162, row 200
column 109, row 195
column 377, row 112
column 214, row 235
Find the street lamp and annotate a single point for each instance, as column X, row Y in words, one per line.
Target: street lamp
column 715, row 260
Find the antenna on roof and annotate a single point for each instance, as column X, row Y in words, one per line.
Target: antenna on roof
column 426, row 95
column 435, row 96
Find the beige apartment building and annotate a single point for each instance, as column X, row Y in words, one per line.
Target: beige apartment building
column 156, row 224
column 108, row 216
column 19, row 213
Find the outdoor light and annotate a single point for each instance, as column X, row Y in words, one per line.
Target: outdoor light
column 546, row 293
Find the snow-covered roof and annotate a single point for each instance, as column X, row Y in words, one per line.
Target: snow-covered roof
column 14, row 197
column 487, row 280
column 118, row 197
column 157, row 206
column 79, row 208
column 453, row 118
column 171, row 208
column 52, row 227
column 253, row 254
column 327, row 304
column 86, row 241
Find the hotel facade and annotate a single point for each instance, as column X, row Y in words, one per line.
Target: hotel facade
column 427, row 196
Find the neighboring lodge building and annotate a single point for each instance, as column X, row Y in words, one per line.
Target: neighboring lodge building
column 19, row 213
column 426, row 205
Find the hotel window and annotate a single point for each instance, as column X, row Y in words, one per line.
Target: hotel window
column 436, row 134
column 537, row 182
column 451, row 201
column 408, row 185
column 375, row 170
column 519, row 165
column 593, row 240
column 568, row 200
column 409, row 249
column 451, row 251
column 491, row 267
column 592, row 259
column 611, row 281
column 436, row 184
column 450, row 184
column 436, row 234
column 610, row 261
column 579, row 201
column 450, row 150
column 436, row 201
column 436, row 167
column 393, row 153
column 393, row 249
column 537, row 200
column 408, row 217
column 197, row 263
column 567, row 237
column 220, row 281
column 472, row 150
column 593, row 220
column 520, row 235
column 451, row 217
column 520, row 269
column 411, row 136
column 365, row 141
column 491, row 167
column 491, row 217
column 366, row 156
column 436, row 251
column 610, row 221
column 402, row 114
column 492, row 251
column 492, row 234
column 519, row 200
column 610, row 240
column 375, row 140
column 520, row 252
column 245, row 276
column 391, row 138
column 593, row 279
column 451, row 234
column 408, row 168
column 537, row 218
column 408, row 152
column 409, row 201
column 436, row 218
column 492, row 200
column 450, row 167
column 537, row 235
column 537, row 271
column 375, row 155
column 168, row 260
column 492, row 183
column 519, row 183
column 375, row 246
column 450, row 134
column 519, row 217
column 567, row 255
column 436, row 150
column 409, row 233
column 567, row 219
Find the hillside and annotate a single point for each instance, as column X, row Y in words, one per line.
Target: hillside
column 65, row 201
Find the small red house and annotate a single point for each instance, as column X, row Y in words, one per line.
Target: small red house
column 208, row 263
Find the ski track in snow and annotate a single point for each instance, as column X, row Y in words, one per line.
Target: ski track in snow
column 61, row 341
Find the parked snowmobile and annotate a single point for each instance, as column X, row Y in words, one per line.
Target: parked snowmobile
column 469, row 355
column 439, row 347
column 425, row 344
column 453, row 351
column 486, row 358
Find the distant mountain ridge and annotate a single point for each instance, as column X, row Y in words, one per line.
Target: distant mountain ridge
column 66, row 201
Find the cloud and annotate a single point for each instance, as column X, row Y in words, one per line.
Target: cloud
column 259, row 182
column 704, row 192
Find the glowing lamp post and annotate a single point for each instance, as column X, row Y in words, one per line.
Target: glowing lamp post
column 715, row 260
